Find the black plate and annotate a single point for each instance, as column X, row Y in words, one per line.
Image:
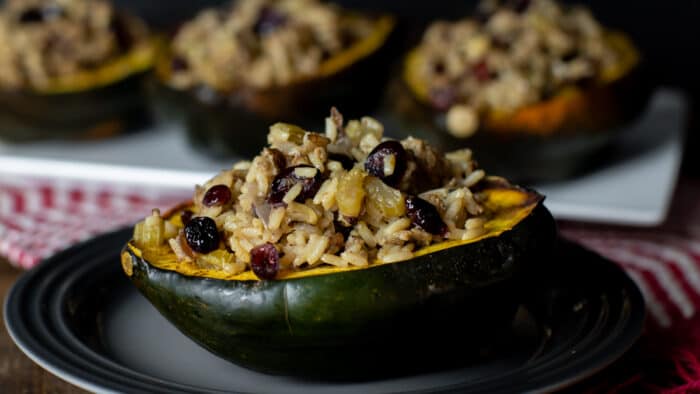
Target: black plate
column 78, row 316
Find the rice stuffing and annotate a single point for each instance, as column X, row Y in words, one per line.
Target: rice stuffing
column 347, row 197
column 509, row 55
column 45, row 40
column 262, row 43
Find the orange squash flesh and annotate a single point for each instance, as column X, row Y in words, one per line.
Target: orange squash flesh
column 572, row 108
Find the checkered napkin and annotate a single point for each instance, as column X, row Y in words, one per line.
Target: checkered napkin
column 664, row 262
column 41, row 217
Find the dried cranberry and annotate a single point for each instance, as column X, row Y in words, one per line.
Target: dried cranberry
column 202, row 235
column 217, row 196
column 346, row 161
column 439, row 68
column 268, row 21
column 265, row 261
column 442, row 97
column 378, row 162
column 424, row 215
column 481, row 71
column 289, row 177
column 186, row 216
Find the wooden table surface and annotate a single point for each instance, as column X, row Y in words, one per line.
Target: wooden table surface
column 19, row 374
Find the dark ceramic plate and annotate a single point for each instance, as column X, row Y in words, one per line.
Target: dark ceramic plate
column 78, row 316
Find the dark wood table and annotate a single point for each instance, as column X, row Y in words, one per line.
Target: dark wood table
column 19, row 374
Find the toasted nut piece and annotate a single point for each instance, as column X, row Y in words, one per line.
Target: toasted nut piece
column 462, row 121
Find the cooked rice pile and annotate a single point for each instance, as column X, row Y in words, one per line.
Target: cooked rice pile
column 353, row 218
column 45, row 39
column 514, row 54
column 261, row 43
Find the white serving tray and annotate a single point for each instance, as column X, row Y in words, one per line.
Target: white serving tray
column 635, row 188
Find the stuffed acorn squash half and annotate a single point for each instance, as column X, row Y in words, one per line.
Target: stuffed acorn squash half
column 233, row 71
column 343, row 254
column 71, row 69
column 536, row 85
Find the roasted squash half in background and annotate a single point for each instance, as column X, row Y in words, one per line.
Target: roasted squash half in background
column 231, row 120
column 548, row 139
column 72, row 70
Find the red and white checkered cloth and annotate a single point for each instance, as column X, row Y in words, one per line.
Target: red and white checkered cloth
column 40, row 217
column 664, row 261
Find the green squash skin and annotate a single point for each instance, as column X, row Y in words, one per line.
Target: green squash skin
column 523, row 157
column 93, row 113
column 436, row 309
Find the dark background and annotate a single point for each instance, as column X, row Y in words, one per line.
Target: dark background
column 667, row 33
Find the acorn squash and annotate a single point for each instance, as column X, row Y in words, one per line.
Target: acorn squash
column 437, row 308
column 90, row 104
column 226, row 123
column 548, row 140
